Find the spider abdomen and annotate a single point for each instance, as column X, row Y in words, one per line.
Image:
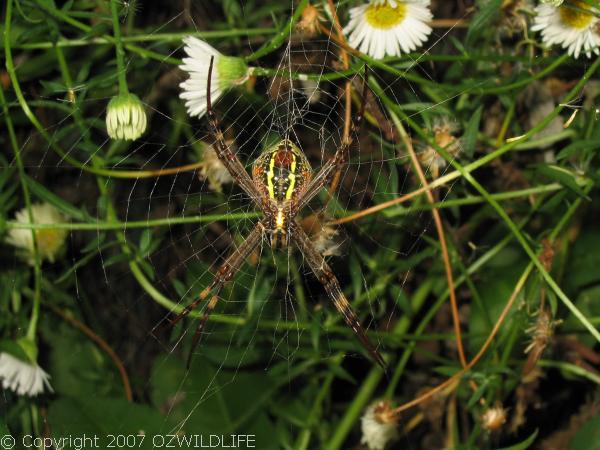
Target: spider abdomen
column 281, row 172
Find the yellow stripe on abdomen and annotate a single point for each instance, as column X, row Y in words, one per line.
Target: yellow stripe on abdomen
column 292, row 178
column 271, row 175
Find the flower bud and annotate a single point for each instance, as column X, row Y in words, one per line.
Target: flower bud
column 125, row 117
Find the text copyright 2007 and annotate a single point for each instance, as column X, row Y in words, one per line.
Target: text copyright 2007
column 141, row 440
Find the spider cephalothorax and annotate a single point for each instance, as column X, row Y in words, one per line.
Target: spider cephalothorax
column 280, row 174
column 282, row 184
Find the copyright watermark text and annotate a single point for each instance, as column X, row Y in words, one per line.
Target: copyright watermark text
column 91, row 441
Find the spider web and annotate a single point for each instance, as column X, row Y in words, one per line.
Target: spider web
column 279, row 324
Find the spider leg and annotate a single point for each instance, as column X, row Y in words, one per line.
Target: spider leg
column 332, row 286
column 223, row 275
column 227, row 157
column 354, row 126
column 330, row 171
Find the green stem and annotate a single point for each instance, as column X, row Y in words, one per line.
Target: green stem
column 154, row 37
column 10, row 68
column 118, row 225
column 572, row 368
column 518, row 235
column 281, row 36
column 361, row 399
column 465, row 173
column 209, row 218
column 365, row 393
column 59, row 14
column 121, row 69
column 353, row 414
column 525, row 81
column 35, row 311
column 314, row 415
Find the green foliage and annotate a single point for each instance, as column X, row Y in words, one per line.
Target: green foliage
column 588, row 436
column 516, row 192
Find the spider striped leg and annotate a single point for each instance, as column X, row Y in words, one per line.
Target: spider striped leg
column 332, row 286
column 331, row 170
column 223, row 275
column 227, row 157
column 354, row 127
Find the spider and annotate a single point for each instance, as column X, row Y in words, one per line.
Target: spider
column 282, row 183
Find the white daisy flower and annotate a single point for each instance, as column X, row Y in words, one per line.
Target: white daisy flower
column 569, row 25
column 227, row 72
column 22, row 377
column 389, row 27
column 49, row 241
column 125, row 117
column 379, row 426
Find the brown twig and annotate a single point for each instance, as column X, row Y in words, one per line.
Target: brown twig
column 381, row 206
column 100, row 342
column 457, row 376
column 347, row 87
column 442, row 237
column 449, row 23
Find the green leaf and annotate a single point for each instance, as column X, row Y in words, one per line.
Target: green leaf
column 588, row 436
column 342, row 374
column 115, row 259
column 470, row 137
column 76, row 366
column 14, row 349
column 148, row 269
column 44, row 194
column 103, row 417
column 495, row 288
column 211, row 401
column 479, row 392
column 563, row 176
column 52, row 87
column 522, row 445
column 575, row 147
column 487, row 12
column 584, row 260
column 260, row 290
column 316, row 323
column 236, row 356
column 4, row 432
column 232, row 10
column 145, row 241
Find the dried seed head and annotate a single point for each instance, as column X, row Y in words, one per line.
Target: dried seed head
column 541, row 333
column 547, row 255
column 325, row 237
column 379, row 425
column 442, row 131
column 310, row 21
column 493, row 418
column 213, row 170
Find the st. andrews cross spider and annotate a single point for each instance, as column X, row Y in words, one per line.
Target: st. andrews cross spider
column 282, row 184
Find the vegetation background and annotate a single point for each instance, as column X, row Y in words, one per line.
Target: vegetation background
column 519, row 218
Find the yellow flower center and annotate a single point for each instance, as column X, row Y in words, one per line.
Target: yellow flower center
column 576, row 18
column 384, row 16
column 49, row 242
